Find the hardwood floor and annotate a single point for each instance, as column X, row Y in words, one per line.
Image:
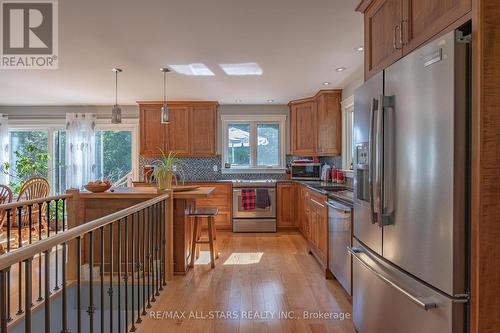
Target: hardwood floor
column 256, row 274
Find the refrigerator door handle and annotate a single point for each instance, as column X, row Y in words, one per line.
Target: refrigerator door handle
column 371, row 166
column 424, row 302
column 379, row 160
column 387, row 167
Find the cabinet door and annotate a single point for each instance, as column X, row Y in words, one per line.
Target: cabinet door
column 203, row 130
column 304, row 129
column 153, row 135
column 323, row 230
column 423, row 19
column 287, row 217
column 178, row 130
column 383, row 35
column 329, row 124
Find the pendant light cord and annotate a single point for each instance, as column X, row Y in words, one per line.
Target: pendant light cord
column 116, row 88
column 164, row 88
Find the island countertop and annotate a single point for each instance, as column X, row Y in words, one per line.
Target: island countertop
column 147, row 192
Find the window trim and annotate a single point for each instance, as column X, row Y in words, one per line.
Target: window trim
column 254, row 120
column 347, row 124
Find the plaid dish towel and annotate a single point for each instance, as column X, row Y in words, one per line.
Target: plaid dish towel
column 248, row 199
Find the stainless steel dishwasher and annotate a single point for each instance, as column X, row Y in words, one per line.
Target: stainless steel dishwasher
column 339, row 232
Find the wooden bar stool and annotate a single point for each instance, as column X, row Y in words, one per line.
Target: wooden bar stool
column 209, row 214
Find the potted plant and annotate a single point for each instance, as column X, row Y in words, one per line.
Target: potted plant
column 164, row 170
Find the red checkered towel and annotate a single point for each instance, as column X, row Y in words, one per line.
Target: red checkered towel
column 248, row 199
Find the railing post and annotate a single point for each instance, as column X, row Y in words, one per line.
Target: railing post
column 73, row 220
column 169, row 236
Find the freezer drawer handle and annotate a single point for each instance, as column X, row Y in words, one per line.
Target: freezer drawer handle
column 425, row 304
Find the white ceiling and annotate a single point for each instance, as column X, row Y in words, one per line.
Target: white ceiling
column 298, row 43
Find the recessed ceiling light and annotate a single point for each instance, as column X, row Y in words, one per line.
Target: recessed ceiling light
column 326, row 83
column 192, row 70
column 340, row 69
column 249, row 68
column 270, row 100
column 360, row 49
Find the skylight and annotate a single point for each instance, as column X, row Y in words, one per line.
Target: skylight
column 249, row 68
column 192, row 69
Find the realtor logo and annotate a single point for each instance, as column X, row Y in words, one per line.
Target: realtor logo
column 29, row 36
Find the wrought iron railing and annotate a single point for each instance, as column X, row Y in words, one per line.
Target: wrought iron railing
column 126, row 249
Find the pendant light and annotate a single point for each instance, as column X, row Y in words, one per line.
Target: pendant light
column 164, row 109
column 116, row 112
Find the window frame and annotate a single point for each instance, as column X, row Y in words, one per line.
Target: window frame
column 51, row 125
column 126, row 125
column 347, row 134
column 254, row 120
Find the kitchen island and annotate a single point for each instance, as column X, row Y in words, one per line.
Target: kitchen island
column 90, row 206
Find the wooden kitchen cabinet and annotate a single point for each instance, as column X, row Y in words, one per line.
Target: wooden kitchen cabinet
column 192, row 130
column 152, row 131
column 316, row 124
column 303, row 210
column 304, row 127
column 394, row 28
column 287, row 204
column 423, row 19
column 318, row 221
column 222, row 199
column 382, row 35
column 329, row 114
column 178, row 130
column 203, row 130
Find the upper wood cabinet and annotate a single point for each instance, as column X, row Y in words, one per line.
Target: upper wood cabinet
column 382, row 34
column 152, row 131
column 304, row 126
column 192, row 130
column 316, row 125
column 203, row 130
column 178, row 130
column 394, row 28
column 329, row 115
column 287, row 202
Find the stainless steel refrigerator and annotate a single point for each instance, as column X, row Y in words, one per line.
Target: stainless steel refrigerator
column 410, row 247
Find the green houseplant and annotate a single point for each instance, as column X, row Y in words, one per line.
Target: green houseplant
column 165, row 169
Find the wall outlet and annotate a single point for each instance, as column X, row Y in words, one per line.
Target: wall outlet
column 215, row 168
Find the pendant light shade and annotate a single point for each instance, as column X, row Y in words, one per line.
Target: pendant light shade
column 116, row 112
column 165, row 114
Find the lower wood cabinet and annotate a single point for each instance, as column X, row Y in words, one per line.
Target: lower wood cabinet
column 312, row 215
column 287, row 206
column 222, row 199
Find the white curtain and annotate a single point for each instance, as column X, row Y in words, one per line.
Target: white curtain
column 80, row 149
column 4, row 146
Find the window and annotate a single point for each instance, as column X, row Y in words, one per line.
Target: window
column 114, row 155
column 29, row 141
column 116, row 149
column 347, row 132
column 117, row 155
column 253, row 143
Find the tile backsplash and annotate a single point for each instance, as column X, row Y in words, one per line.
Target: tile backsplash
column 202, row 168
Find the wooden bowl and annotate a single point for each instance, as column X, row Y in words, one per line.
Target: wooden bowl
column 97, row 188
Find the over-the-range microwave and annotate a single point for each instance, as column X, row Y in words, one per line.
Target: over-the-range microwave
column 305, row 171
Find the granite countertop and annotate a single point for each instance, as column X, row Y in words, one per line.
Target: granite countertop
column 334, row 191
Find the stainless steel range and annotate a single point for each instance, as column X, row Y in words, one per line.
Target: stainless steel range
column 254, row 205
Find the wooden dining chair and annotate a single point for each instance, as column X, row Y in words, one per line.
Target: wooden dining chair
column 33, row 188
column 5, row 198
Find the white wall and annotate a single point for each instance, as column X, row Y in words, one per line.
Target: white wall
column 103, row 111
